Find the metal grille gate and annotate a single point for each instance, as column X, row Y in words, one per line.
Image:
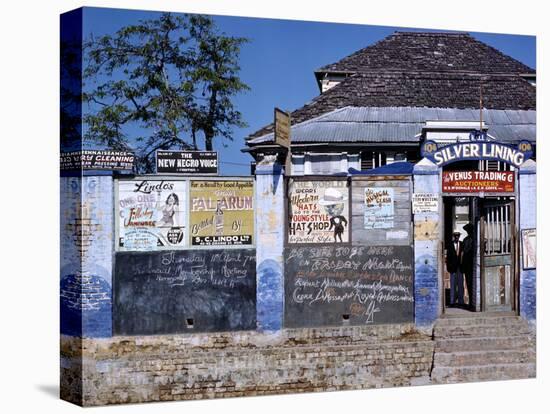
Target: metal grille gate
column 498, row 253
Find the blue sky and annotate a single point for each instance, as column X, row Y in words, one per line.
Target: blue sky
column 279, row 61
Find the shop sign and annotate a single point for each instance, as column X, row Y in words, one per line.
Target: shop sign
column 478, row 181
column 425, row 203
column 318, row 211
column 477, row 150
column 187, row 162
column 97, row 160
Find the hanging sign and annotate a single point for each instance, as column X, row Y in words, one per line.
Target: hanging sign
column 477, row 150
column 478, row 181
column 187, row 162
column 282, row 128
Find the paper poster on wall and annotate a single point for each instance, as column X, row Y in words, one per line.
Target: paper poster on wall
column 318, row 212
column 425, row 203
column 151, row 214
column 221, row 213
column 529, row 248
column 379, row 213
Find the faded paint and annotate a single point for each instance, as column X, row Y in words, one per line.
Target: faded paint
column 427, row 236
column 270, row 198
column 86, row 255
column 427, row 229
column 528, row 220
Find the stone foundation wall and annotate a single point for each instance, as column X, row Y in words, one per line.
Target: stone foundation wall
column 184, row 367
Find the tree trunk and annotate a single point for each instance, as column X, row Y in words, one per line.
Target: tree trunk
column 209, row 127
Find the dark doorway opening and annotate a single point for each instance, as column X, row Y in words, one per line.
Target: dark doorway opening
column 460, row 251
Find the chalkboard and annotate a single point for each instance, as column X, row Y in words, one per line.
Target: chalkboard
column 348, row 285
column 184, row 291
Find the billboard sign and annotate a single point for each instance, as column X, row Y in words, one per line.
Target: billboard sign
column 151, row 214
column 221, row 213
column 318, row 212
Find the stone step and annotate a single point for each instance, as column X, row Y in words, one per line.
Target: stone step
column 489, row 343
column 495, row 372
column 480, row 320
column 481, row 358
column 445, row 331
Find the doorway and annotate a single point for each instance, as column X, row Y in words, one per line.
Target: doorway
column 488, row 275
column 460, row 251
column 498, row 254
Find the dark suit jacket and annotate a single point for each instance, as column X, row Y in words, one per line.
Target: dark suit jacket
column 453, row 259
column 468, row 251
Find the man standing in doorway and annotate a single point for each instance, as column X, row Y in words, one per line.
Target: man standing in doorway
column 454, row 258
column 467, row 265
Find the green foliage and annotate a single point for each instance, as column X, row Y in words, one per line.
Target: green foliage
column 164, row 83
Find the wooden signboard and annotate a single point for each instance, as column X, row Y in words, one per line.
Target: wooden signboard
column 282, row 135
column 282, row 128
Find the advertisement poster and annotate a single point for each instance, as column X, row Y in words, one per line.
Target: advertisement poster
column 478, row 181
column 151, row 214
column 318, row 212
column 529, row 248
column 379, row 208
column 425, row 203
column 221, row 213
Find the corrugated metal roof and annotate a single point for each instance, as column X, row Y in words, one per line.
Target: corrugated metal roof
column 404, row 124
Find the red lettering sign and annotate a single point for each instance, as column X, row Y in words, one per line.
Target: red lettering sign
column 478, row 181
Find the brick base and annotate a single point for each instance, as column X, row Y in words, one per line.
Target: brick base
column 185, row 367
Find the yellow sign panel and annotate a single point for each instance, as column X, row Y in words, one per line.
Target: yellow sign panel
column 221, row 213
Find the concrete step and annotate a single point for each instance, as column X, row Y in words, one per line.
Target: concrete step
column 484, row 330
column 489, row 343
column 495, row 372
column 482, row 319
column 481, row 358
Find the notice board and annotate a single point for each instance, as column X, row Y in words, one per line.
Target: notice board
column 354, row 285
column 182, row 291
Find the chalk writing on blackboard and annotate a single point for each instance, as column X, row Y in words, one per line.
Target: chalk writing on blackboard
column 371, row 284
column 156, row 291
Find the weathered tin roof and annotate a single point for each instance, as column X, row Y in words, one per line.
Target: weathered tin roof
column 422, row 90
column 403, row 124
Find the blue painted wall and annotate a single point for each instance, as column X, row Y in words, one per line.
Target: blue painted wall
column 270, row 231
column 427, row 236
column 528, row 220
column 86, row 256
